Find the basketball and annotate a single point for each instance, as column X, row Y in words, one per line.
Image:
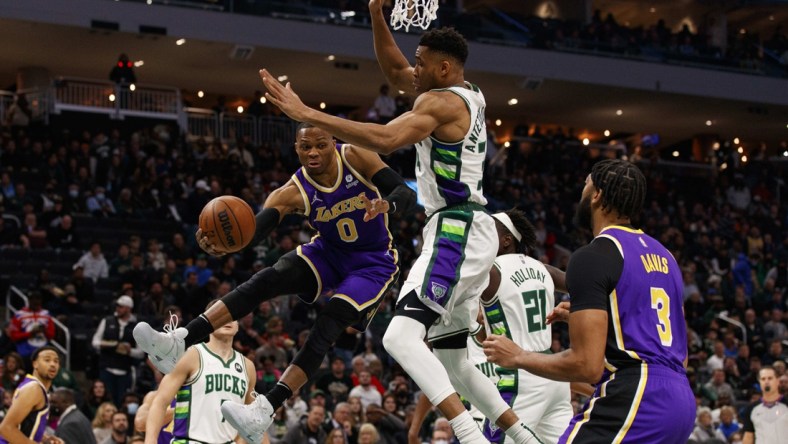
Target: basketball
column 228, row 222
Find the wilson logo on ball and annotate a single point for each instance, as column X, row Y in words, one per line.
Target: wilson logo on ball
column 227, row 228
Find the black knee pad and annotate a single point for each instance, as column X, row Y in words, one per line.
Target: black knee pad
column 329, row 325
column 455, row 341
column 289, row 275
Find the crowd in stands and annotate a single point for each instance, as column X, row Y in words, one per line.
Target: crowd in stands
column 60, row 190
column 708, row 44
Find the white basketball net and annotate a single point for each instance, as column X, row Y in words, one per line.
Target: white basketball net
column 409, row 13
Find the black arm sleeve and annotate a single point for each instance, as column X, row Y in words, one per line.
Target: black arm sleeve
column 401, row 199
column 265, row 222
column 592, row 274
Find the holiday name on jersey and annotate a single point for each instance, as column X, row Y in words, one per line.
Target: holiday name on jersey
column 340, row 208
column 522, row 275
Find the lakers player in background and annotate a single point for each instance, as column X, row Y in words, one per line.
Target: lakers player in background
column 626, row 323
column 208, row 375
column 26, row 420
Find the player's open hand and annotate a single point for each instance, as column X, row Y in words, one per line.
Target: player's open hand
column 374, row 207
column 559, row 314
column 284, row 97
column 501, row 351
column 206, row 245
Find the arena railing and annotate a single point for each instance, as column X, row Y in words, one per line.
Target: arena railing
column 14, row 294
column 723, row 316
column 239, row 126
column 115, row 100
column 201, row 123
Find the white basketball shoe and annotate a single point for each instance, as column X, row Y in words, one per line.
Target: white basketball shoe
column 164, row 348
column 251, row 420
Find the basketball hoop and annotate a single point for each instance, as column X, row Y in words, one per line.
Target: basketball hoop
column 409, row 13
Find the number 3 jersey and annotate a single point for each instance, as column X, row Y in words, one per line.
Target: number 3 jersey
column 638, row 282
column 522, row 302
column 337, row 212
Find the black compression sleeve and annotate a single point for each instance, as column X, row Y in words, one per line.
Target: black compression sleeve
column 592, row 274
column 265, row 222
column 401, row 198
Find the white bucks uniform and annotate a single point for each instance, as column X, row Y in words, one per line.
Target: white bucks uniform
column 198, row 416
column 518, row 311
column 458, row 248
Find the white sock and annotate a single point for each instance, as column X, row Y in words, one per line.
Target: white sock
column 521, row 434
column 466, row 430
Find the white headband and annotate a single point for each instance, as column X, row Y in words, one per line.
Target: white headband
column 507, row 222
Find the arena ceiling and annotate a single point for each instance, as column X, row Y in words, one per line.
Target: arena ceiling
column 202, row 65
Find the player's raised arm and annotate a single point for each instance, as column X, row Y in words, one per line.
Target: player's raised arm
column 168, row 389
column 398, row 198
column 393, row 63
column 430, row 111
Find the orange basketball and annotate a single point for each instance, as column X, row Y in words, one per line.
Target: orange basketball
column 228, row 222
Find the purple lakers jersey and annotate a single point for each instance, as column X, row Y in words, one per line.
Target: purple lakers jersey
column 646, row 307
column 165, row 435
column 35, row 423
column 337, row 212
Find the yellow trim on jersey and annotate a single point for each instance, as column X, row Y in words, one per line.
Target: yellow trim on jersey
column 360, row 307
column 355, row 173
column 622, row 228
column 617, row 326
column 360, row 177
column 314, row 270
column 340, row 174
column 587, row 413
column 307, row 204
column 635, row 404
column 610, row 367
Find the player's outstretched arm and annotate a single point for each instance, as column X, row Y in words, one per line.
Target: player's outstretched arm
column 430, row 111
column 393, row 63
column 398, row 198
column 28, row 398
column 168, row 389
column 583, row 362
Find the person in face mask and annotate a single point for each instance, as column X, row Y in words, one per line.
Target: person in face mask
column 758, row 420
column 131, row 402
column 440, row 437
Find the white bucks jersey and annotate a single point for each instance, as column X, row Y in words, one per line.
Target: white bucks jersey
column 450, row 173
column 198, row 416
column 524, row 298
